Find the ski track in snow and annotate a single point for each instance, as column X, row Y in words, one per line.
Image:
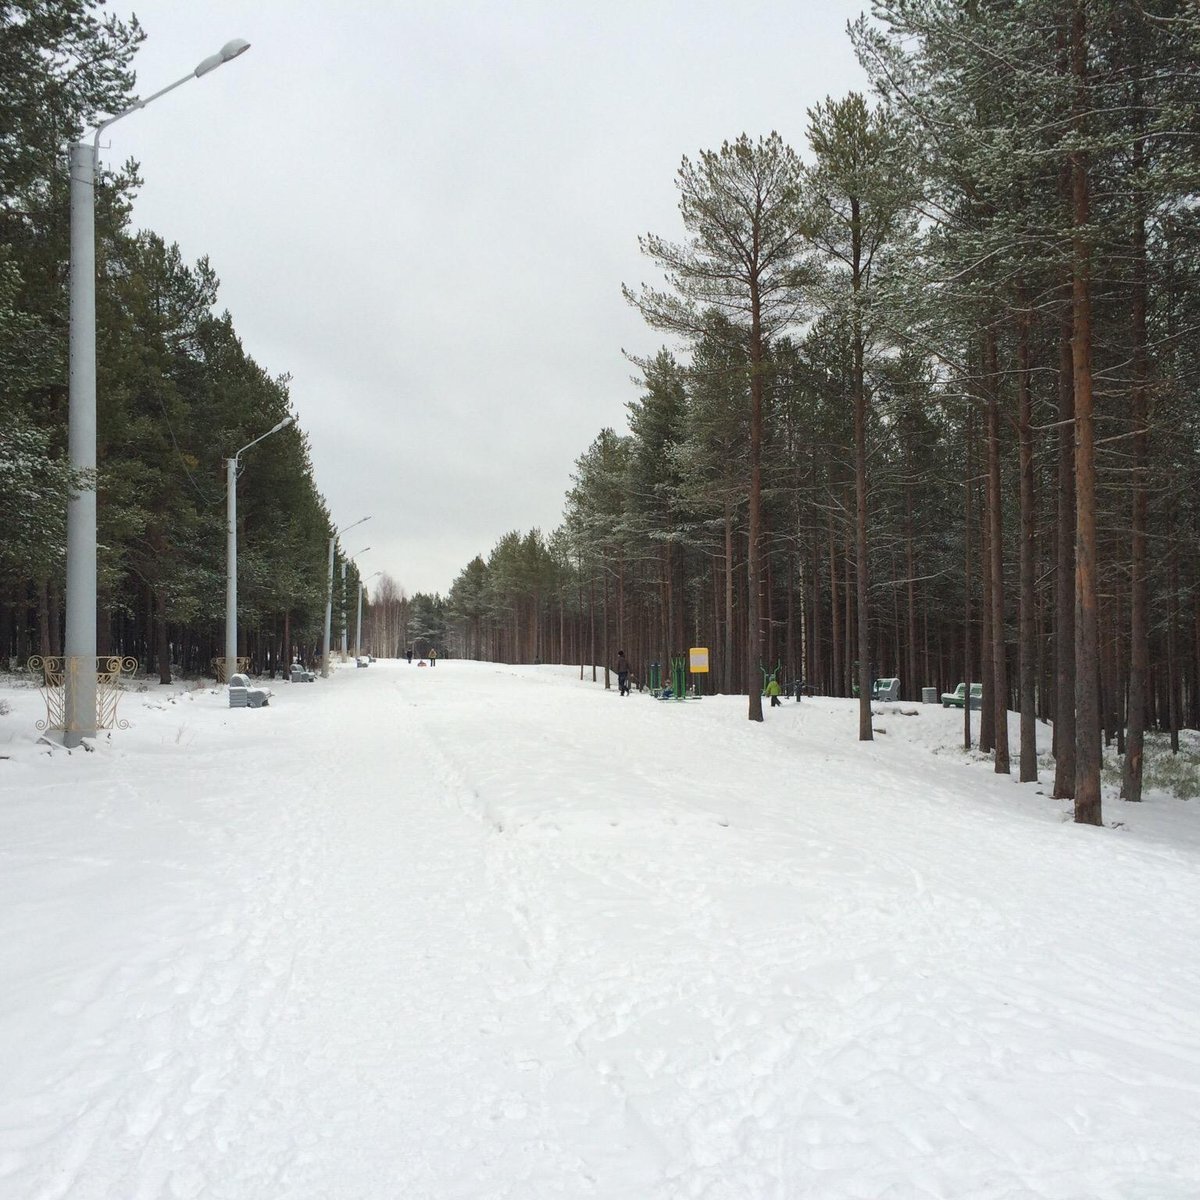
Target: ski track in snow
column 492, row 932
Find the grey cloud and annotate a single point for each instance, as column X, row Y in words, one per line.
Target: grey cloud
column 424, row 212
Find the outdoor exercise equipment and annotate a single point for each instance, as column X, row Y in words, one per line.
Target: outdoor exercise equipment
column 769, row 675
column 678, row 676
column 676, row 688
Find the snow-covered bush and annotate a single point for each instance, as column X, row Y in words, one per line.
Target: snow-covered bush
column 1177, row 774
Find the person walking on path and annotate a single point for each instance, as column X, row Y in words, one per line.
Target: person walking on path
column 773, row 690
column 432, row 657
column 622, row 673
column 409, row 653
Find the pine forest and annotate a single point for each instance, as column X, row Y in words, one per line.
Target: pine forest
column 919, row 398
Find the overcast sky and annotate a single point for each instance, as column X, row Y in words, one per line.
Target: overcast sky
column 424, row 212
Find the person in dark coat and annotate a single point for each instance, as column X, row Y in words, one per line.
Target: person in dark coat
column 622, row 673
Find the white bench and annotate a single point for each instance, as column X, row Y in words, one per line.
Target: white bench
column 242, row 695
column 887, row 689
column 301, row 674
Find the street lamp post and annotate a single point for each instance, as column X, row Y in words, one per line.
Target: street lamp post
column 345, row 625
column 329, row 595
column 79, row 648
column 362, row 583
column 231, row 549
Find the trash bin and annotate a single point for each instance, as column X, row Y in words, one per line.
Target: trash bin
column 929, row 696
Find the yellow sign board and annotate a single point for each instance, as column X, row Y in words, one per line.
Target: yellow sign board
column 698, row 656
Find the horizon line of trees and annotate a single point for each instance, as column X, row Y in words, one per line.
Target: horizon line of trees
column 932, row 409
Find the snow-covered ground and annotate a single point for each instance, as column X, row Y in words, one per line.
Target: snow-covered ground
column 479, row 931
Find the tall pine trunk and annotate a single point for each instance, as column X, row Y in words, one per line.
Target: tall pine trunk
column 1027, row 649
column 1087, row 634
column 865, row 733
column 1064, row 574
column 999, row 688
column 727, row 663
column 834, row 615
column 753, row 565
column 987, row 711
column 912, row 686
column 968, row 535
column 43, row 610
column 162, row 646
column 1139, row 623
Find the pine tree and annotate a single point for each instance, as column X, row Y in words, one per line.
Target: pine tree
column 742, row 208
column 860, row 190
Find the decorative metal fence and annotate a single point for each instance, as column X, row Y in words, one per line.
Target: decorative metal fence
column 56, row 672
column 241, row 666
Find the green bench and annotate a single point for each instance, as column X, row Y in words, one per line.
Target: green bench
column 955, row 698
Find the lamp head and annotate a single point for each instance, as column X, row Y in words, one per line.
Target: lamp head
column 282, row 424
column 228, row 51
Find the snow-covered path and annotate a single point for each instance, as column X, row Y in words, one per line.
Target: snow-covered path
column 490, row 932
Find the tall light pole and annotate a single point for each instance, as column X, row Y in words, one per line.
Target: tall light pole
column 329, row 595
column 79, row 650
column 362, row 583
column 231, row 549
column 343, row 598
column 345, row 626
